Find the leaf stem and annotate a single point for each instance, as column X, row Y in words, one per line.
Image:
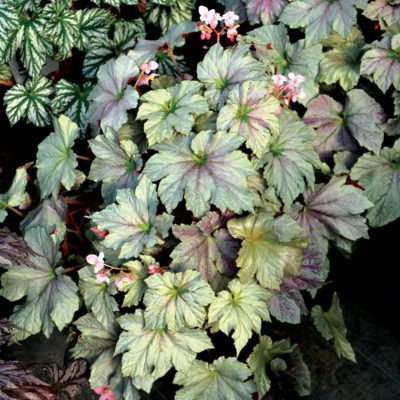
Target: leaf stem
column 15, row 211
column 170, row 53
column 72, row 269
column 83, row 158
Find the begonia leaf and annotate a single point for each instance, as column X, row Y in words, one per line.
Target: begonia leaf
column 342, row 127
column 176, row 300
column 241, row 308
column 113, row 96
column 265, row 11
column 206, row 246
column 15, row 195
column 270, row 247
column 132, row 221
column 250, row 112
column 291, row 158
column 333, row 212
column 98, row 297
column 222, row 69
column 225, row 378
column 321, row 17
column 171, row 110
column 56, row 162
column 388, row 10
column 206, row 168
column 331, row 326
column 51, row 297
column 379, row 175
column 151, row 353
column 30, row 102
column 382, row 62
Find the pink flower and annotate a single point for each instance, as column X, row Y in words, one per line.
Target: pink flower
column 101, row 234
column 102, row 277
column 150, row 66
column 278, row 80
column 230, row 17
column 301, row 94
column 232, row 33
column 209, row 17
column 295, row 80
column 119, row 283
column 145, row 79
column 104, row 392
column 206, row 32
column 97, row 261
column 154, row 269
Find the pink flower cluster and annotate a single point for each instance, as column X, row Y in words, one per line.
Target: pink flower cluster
column 154, row 269
column 147, row 75
column 210, row 20
column 286, row 88
column 104, row 392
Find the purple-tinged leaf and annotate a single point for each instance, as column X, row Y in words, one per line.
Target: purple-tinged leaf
column 382, row 61
column 205, row 169
column 340, row 128
column 265, row 11
column 17, row 383
column 388, row 10
column 67, row 383
column 6, row 329
column 206, row 246
column 332, row 212
column 112, row 96
column 13, row 249
column 320, row 17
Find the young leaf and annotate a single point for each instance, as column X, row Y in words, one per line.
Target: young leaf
column 133, row 223
column 13, row 250
column 96, row 343
column 51, row 296
column 250, row 112
column 176, row 300
column 379, row 175
column 330, row 325
column 207, row 167
column 337, row 126
column 56, row 161
column 222, row 69
column 171, row 110
column 112, row 96
column 241, row 309
column 72, row 100
column 291, row 158
column 49, row 213
column 382, row 61
column 116, row 163
column 320, row 17
column 151, row 353
column 137, row 287
column 263, row 353
column 206, row 246
column 68, row 382
column 270, row 247
column 30, row 102
column 102, row 48
column 18, row 383
column 98, row 297
column 15, row 196
column 61, row 27
column 165, row 14
column 5, row 73
column 92, row 23
column 342, row 63
column 388, row 10
column 332, row 212
column 224, row 379
column 272, row 47
column 264, row 11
